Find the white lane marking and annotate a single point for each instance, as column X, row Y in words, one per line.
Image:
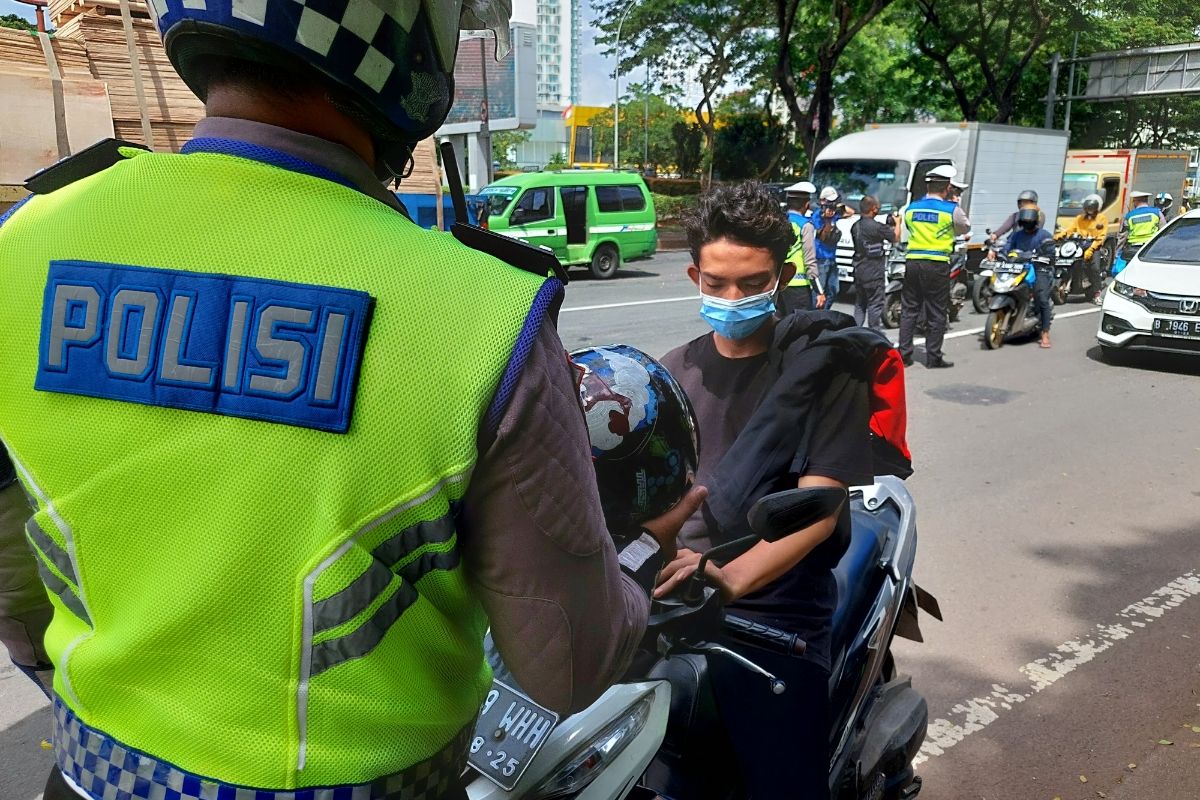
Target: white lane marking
column 695, row 297
column 975, row 714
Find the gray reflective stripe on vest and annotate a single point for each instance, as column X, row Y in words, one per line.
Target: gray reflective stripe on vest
column 351, row 601
column 364, row 638
column 58, row 556
column 108, row 768
column 61, row 589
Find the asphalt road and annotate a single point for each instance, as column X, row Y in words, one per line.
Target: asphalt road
column 1059, row 511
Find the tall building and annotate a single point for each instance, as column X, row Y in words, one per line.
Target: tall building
column 558, row 43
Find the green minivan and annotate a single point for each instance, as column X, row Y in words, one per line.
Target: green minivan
column 596, row 218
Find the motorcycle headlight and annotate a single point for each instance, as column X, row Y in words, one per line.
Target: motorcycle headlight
column 1128, row 290
column 586, row 761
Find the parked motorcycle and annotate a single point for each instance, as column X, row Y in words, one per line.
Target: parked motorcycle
column 895, row 284
column 1011, row 312
column 658, row 733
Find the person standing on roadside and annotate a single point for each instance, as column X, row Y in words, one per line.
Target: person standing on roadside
column 798, row 294
column 932, row 224
column 822, row 231
column 870, row 262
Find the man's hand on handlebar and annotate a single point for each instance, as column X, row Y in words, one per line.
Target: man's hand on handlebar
column 683, row 567
column 666, row 527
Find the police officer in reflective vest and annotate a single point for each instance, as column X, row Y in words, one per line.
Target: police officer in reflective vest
column 932, row 224
column 284, row 469
column 1139, row 225
column 798, row 294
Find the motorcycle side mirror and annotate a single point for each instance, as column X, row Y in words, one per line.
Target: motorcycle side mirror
column 783, row 513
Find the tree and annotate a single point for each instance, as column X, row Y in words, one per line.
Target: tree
column 646, row 121
column 17, row 22
column 823, row 30
column 708, row 41
column 504, row 146
column 751, row 141
column 688, row 140
column 557, row 161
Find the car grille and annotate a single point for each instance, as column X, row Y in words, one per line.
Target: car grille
column 1169, row 304
column 1144, row 342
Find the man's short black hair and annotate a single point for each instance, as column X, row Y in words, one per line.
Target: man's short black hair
column 746, row 213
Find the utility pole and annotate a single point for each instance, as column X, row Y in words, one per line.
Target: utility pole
column 617, row 92
column 1071, row 82
column 1052, row 93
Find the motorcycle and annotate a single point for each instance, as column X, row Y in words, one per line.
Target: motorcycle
column 1070, row 275
column 658, row 733
column 981, row 284
column 895, row 284
column 1011, row 312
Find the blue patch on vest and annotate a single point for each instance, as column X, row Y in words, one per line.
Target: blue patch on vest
column 926, row 216
column 224, row 344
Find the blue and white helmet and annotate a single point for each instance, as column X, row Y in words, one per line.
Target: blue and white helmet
column 391, row 60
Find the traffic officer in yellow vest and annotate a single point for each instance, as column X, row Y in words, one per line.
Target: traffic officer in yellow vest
column 285, row 471
column 1139, row 225
column 798, row 294
column 932, row 224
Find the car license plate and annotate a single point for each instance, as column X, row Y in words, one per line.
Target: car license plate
column 510, row 731
column 1185, row 328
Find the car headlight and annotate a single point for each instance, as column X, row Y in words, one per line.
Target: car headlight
column 585, row 762
column 1128, row 290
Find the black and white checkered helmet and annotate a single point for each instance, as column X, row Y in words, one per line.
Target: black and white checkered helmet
column 392, row 60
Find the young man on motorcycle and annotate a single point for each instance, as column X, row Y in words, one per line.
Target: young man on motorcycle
column 1089, row 225
column 281, row 589
column 1026, row 199
column 739, row 239
column 1030, row 236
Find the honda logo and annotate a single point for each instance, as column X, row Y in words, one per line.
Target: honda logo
column 1188, row 306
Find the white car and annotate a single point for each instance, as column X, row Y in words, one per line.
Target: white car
column 1154, row 303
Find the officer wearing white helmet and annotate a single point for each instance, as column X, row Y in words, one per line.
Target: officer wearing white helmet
column 823, row 234
column 1163, row 201
column 305, row 471
column 957, row 188
column 798, row 294
column 932, row 223
column 1139, row 225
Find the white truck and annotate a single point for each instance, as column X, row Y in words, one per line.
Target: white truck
column 891, row 161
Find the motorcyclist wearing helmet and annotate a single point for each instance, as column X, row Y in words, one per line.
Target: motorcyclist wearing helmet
column 1163, row 202
column 288, row 505
column 823, row 234
column 1026, row 199
column 1030, row 236
column 1089, row 225
column 738, row 241
column 798, row 295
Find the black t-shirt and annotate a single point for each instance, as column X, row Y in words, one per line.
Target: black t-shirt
column 7, row 473
column 724, row 393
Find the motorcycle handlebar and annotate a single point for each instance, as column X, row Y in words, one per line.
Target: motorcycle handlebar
column 764, row 636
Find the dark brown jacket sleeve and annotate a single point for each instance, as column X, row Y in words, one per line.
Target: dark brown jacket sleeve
column 564, row 617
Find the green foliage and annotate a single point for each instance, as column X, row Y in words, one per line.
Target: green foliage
column 751, row 141
column 504, row 146
column 688, row 141
column 557, row 161
column 668, row 208
column 673, row 187
column 646, row 121
column 17, row 22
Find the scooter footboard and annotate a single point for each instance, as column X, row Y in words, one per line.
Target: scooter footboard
column 894, row 730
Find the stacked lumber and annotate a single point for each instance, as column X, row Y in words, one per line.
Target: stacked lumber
column 63, row 10
column 21, row 51
column 173, row 109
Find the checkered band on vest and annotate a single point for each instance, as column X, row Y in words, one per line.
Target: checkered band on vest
column 107, row 770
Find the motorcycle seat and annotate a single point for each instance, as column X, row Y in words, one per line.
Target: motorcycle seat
column 858, row 574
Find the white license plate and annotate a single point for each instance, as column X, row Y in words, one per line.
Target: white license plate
column 1188, row 329
column 510, row 731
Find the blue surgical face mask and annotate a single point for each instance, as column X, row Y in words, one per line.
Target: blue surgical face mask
column 737, row 319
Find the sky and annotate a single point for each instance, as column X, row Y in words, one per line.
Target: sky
column 596, row 84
